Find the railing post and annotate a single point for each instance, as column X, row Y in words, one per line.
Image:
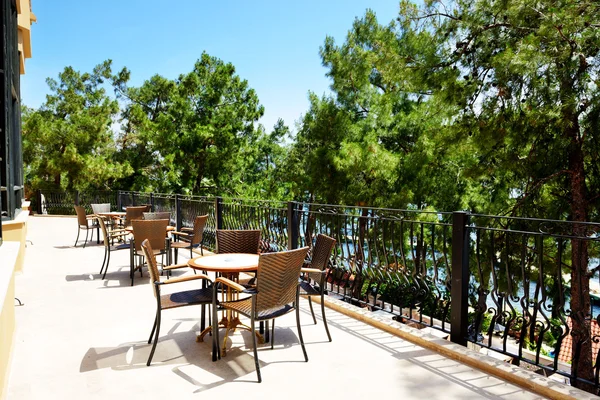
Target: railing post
column 178, row 215
column 119, row 202
column 460, row 278
column 38, row 196
column 292, row 225
column 77, row 197
column 219, row 212
column 133, row 198
column 152, row 202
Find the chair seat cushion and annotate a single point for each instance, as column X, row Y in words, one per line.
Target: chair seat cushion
column 120, row 246
column 244, row 307
column 307, row 289
column 186, row 298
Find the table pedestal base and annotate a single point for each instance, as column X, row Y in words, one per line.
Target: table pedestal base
column 230, row 326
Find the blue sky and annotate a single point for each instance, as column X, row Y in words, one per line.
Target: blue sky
column 273, row 44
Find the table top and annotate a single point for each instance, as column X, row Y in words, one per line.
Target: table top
column 169, row 228
column 112, row 214
column 226, row 263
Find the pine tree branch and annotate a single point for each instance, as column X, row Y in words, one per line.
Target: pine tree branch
column 437, row 14
column 529, row 191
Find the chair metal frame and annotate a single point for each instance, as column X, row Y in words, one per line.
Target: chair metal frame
column 190, row 239
column 153, row 230
column 312, row 281
column 276, row 294
column 109, row 238
column 83, row 223
column 192, row 297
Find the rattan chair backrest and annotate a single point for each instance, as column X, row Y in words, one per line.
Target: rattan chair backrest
column 81, row 216
column 100, row 208
column 199, row 224
column 135, row 212
column 321, row 252
column 157, row 215
column 154, row 230
column 278, row 278
column 237, row 241
column 152, row 266
column 104, row 231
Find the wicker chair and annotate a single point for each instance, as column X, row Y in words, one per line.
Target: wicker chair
column 109, row 238
column 276, row 293
column 173, row 300
column 132, row 213
column 312, row 282
column 100, row 208
column 157, row 215
column 239, row 241
column 153, row 230
column 83, row 222
column 190, row 240
column 97, row 209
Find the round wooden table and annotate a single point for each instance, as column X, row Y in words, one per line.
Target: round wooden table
column 111, row 214
column 226, row 263
column 229, row 265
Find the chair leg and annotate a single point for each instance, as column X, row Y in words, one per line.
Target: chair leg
column 255, row 350
column 87, row 231
column 300, row 331
column 176, row 254
column 216, row 352
column 131, row 266
column 107, row 262
column 273, row 334
column 267, row 331
column 153, row 327
column 311, row 310
column 103, row 261
column 192, row 256
column 76, row 240
column 155, row 338
column 324, row 318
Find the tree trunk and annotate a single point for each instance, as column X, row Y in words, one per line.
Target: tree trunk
column 580, row 282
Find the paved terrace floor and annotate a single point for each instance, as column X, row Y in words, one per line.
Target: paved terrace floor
column 81, row 337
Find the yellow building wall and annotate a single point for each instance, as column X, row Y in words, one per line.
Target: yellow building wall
column 16, row 231
column 24, row 20
column 8, row 255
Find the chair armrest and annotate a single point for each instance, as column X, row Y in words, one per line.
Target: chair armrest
column 312, row 270
column 176, row 266
column 180, row 233
column 118, row 231
column 186, row 229
column 230, row 283
column 183, row 279
column 118, row 234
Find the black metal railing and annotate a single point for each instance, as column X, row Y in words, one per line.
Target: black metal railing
column 497, row 282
